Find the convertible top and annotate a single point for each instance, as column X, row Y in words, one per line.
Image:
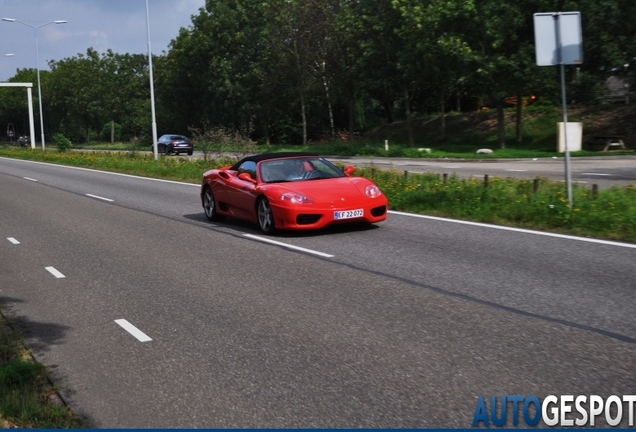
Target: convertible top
column 265, row 156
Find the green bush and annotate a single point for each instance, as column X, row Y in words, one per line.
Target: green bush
column 63, row 144
column 107, row 129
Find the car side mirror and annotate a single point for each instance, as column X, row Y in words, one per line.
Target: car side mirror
column 245, row 176
column 348, row 170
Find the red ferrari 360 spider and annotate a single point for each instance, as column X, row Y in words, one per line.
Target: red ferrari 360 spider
column 290, row 191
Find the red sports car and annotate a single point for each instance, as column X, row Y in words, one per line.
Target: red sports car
column 290, row 191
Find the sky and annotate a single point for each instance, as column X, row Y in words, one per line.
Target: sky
column 118, row 25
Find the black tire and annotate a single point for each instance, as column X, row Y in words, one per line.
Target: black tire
column 167, row 151
column 209, row 206
column 265, row 216
column 189, row 152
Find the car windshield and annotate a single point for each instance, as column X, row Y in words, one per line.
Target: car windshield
column 298, row 169
column 179, row 137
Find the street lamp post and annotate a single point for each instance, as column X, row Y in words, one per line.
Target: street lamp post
column 37, row 61
column 152, row 89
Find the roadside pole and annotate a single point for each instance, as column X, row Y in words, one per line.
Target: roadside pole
column 558, row 41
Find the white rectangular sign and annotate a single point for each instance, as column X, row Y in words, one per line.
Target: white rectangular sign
column 553, row 27
column 574, row 136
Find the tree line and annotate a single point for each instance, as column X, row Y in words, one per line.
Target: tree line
column 295, row 71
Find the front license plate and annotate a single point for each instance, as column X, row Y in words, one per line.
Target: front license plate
column 348, row 214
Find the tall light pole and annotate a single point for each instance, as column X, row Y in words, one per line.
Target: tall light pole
column 152, row 89
column 37, row 61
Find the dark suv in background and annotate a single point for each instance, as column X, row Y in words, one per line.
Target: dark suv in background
column 172, row 143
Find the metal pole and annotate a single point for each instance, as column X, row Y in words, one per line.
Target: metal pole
column 32, row 128
column 568, row 174
column 37, row 65
column 152, row 89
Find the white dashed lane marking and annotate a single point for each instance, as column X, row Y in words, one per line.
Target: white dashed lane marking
column 597, row 174
column 288, row 246
column 55, row 272
column 141, row 336
column 12, row 240
column 29, row 179
column 98, row 197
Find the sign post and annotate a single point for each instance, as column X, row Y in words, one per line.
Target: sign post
column 10, row 132
column 558, row 40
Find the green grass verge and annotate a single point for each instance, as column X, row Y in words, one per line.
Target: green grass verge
column 25, row 392
column 538, row 204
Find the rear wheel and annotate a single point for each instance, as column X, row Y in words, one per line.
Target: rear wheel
column 265, row 216
column 209, row 206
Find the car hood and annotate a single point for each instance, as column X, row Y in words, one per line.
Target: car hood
column 328, row 191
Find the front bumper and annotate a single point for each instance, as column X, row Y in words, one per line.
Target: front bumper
column 302, row 217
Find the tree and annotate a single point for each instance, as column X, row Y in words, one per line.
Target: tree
column 438, row 55
column 76, row 92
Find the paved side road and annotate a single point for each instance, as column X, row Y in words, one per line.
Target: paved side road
column 605, row 171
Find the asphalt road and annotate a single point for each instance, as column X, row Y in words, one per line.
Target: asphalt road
column 150, row 316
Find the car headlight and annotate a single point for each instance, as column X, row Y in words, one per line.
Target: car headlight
column 295, row 198
column 372, row 191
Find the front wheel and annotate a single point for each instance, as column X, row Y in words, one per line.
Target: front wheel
column 209, row 206
column 265, row 216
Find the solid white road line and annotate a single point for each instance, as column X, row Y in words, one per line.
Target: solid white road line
column 141, row 336
column 516, row 170
column 29, row 179
column 98, row 197
column 598, row 174
column 12, row 240
column 266, row 240
column 54, row 272
column 505, row 228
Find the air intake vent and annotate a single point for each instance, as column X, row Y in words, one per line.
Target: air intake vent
column 307, row 219
column 378, row 211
